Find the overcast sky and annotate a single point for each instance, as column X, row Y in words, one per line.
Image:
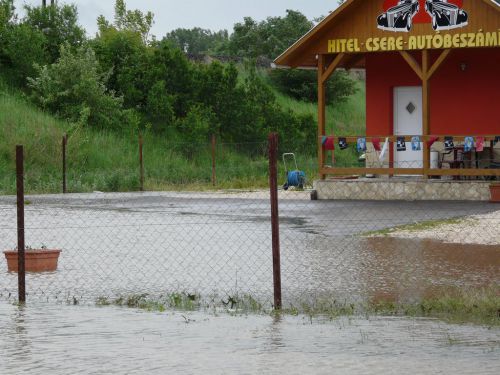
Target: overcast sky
column 208, row 14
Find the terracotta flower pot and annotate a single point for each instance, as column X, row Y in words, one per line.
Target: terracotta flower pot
column 495, row 193
column 39, row 260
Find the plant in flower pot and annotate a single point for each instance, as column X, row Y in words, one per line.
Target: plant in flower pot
column 36, row 260
column 495, row 192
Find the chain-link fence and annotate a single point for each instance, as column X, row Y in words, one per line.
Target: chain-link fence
column 215, row 245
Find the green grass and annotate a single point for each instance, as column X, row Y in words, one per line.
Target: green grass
column 414, row 227
column 344, row 119
column 108, row 161
column 479, row 306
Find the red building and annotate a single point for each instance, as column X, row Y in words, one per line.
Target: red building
column 432, row 71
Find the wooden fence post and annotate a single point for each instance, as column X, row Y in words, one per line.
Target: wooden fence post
column 214, row 171
column 21, row 275
column 64, row 144
column 141, row 162
column 273, row 185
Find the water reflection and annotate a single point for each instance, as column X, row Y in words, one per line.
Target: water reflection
column 79, row 339
column 409, row 270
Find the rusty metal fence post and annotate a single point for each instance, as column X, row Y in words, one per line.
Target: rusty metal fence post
column 141, row 162
column 273, row 185
column 21, row 275
column 64, row 144
column 214, row 174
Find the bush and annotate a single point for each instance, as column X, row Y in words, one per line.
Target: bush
column 160, row 106
column 59, row 24
column 303, row 85
column 73, row 89
column 195, row 128
column 24, row 47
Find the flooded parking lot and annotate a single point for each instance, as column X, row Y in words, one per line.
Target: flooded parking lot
column 220, row 244
column 60, row 339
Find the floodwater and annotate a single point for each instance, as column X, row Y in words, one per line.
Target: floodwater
column 60, row 339
column 220, row 245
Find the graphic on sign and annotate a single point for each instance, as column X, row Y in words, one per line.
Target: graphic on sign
column 399, row 16
column 446, row 16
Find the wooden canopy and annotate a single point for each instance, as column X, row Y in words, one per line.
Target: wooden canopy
column 412, row 28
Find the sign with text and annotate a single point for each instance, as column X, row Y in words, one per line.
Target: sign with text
column 447, row 18
column 415, row 42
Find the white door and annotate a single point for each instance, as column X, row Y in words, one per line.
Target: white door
column 408, row 122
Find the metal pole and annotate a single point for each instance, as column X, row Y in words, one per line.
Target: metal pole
column 141, row 162
column 21, row 275
column 214, row 175
column 64, row 143
column 273, row 184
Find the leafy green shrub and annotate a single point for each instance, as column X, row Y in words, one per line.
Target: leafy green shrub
column 74, row 89
column 303, row 85
column 58, row 23
column 195, row 128
column 160, row 105
column 24, row 47
column 7, row 13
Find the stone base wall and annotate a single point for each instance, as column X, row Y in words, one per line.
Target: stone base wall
column 404, row 190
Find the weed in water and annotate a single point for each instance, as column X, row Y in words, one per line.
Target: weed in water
column 478, row 306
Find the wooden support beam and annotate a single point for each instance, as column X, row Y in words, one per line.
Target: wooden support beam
column 464, row 172
column 331, row 68
column 321, row 112
column 413, row 64
column 379, row 171
column 426, row 111
column 438, row 63
column 408, row 138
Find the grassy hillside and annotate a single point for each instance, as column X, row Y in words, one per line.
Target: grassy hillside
column 106, row 161
column 345, row 119
column 348, row 119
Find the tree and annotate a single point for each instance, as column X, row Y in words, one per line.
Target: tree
column 195, row 127
column 24, row 47
column 7, row 16
column 74, row 89
column 7, row 13
column 303, row 85
column 268, row 38
column 169, row 64
column 198, row 41
column 130, row 20
column 123, row 55
column 59, row 24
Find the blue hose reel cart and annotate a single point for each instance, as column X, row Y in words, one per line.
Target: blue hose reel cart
column 294, row 178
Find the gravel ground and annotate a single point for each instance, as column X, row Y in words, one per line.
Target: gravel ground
column 483, row 229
